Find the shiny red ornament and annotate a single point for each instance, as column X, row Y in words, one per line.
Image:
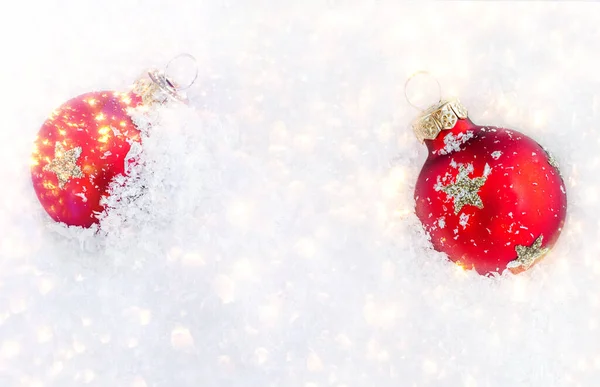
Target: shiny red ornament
column 490, row 198
column 80, row 148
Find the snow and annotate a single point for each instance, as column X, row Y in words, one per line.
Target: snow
column 275, row 243
column 442, row 222
column 464, row 220
column 487, row 170
column 453, row 143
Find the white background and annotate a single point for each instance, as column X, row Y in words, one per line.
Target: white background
column 278, row 246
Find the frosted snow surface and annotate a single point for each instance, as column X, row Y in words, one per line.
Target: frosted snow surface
column 275, row 244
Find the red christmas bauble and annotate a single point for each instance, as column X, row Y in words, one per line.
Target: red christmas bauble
column 80, row 148
column 490, row 198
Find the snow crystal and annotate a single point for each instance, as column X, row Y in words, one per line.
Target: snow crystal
column 82, row 196
column 496, row 155
column 487, row 170
column 442, row 222
column 257, row 241
column 115, row 131
column 464, row 220
column 452, row 143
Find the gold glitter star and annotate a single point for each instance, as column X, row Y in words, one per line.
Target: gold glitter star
column 64, row 164
column 527, row 256
column 464, row 190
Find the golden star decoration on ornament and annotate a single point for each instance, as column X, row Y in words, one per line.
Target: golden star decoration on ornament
column 64, row 164
column 527, row 256
column 465, row 190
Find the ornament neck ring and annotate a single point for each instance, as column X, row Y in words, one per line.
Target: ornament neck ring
column 429, row 75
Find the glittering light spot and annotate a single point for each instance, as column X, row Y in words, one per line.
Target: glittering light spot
column 306, row 247
column 243, row 269
column 539, row 118
column 520, row 290
column 10, row 349
column 104, row 132
column 88, row 375
column 56, row 368
column 261, row 354
column 591, row 195
column 239, row 213
column 224, row 361
column 78, row 347
column 393, row 184
column 32, row 383
column 92, row 101
column 140, row 315
column 132, row 342
column 138, row 381
column 192, row 259
column 376, row 352
column 304, row 142
column 181, row 338
column 44, row 334
column 388, row 270
column 17, row 304
column 45, row 285
column 48, row 185
column 145, row 316
column 269, row 313
column 597, row 362
column 380, row 314
column 313, row 362
column 470, row 381
column 429, row 366
column 460, row 269
column 343, row 341
column 224, row 287
column 100, row 117
column 174, row 254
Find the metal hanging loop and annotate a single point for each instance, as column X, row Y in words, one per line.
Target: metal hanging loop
column 425, row 73
column 177, row 86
